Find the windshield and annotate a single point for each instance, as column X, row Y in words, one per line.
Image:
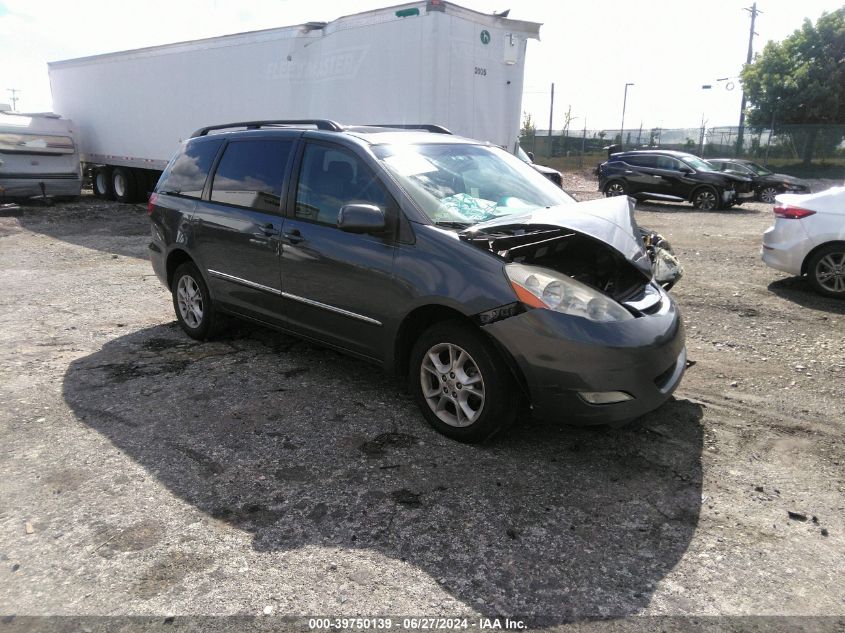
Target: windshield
column 758, row 169
column 460, row 185
column 696, row 163
column 521, row 155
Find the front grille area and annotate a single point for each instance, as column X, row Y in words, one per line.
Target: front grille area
column 663, row 377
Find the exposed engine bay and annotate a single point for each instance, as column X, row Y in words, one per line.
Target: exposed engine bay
column 667, row 269
column 584, row 258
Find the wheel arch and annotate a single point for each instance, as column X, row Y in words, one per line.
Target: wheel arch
column 815, row 250
column 176, row 258
column 423, row 317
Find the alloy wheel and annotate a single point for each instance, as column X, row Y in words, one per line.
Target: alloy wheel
column 614, row 189
column 768, row 194
column 830, row 272
column 705, row 200
column 452, row 384
column 189, row 299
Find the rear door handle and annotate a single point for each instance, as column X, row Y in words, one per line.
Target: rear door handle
column 293, row 236
column 267, row 230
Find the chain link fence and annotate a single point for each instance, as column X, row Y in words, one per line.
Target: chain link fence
column 802, row 150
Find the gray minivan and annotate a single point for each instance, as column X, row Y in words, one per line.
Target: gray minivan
column 445, row 260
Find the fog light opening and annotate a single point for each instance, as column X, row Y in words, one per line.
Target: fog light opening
column 605, row 397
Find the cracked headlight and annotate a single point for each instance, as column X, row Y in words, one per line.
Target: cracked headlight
column 544, row 288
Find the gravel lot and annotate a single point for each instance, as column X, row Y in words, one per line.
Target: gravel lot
column 144, row 473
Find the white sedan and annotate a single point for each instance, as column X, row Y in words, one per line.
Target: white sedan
column 808, row 238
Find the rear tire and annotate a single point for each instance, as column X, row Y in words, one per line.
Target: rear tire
column 826, row 270
column 615, row 188
column 461, row 384
column 192, row 303
column 123, row 184
column 706, row 199
column 101, row 183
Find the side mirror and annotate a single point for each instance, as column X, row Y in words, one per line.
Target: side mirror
column 531, row 156
column 684, row 169
column 361, row 218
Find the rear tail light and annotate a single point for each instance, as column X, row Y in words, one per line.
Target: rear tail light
column 791, row 213
column 151, row 203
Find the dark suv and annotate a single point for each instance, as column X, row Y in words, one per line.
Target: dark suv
column 676, row 176
column 448, row 261
column 766, row 183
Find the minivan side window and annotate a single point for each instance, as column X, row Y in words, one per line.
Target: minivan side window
column 187, row 173
column 250, row 174
column 330, row 178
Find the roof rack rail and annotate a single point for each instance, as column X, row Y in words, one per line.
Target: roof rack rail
column 322, row 124
column 428, row 127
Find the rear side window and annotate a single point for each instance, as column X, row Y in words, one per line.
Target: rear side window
column 187, row 173
column 250, row 174
column 668, row 163
column 642, row 161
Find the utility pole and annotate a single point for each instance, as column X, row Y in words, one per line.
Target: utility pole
column 583, row 144
column 551, row 115
column 739, row 135
column 14, row 98
column 622, row 127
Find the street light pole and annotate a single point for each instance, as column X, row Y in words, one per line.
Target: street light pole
column 622, row 127
column 551, row 115
column 701, row 138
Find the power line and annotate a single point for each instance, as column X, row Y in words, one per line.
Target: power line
column 14, row 97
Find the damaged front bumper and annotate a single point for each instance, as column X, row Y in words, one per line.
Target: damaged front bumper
column 570, row 362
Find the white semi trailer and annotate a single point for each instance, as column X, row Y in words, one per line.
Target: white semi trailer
column 422, row 62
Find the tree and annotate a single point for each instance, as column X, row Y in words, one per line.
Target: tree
column 528, row 127
column 800, row 80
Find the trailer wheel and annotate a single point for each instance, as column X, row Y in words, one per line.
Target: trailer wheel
column 102, row 183
column 123, row 184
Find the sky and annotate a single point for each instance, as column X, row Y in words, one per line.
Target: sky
column 589, row 49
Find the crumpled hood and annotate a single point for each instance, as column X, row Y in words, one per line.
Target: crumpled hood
column 610, row 220
column 735, row 176
column 792, row 180
column 543, row 169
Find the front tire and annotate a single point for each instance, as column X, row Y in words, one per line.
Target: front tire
column 192, row 302
column 826, row 270
column 767, row 195
column 461, row 384
column 706, row 199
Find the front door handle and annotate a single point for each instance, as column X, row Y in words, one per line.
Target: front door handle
column 294, row 236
